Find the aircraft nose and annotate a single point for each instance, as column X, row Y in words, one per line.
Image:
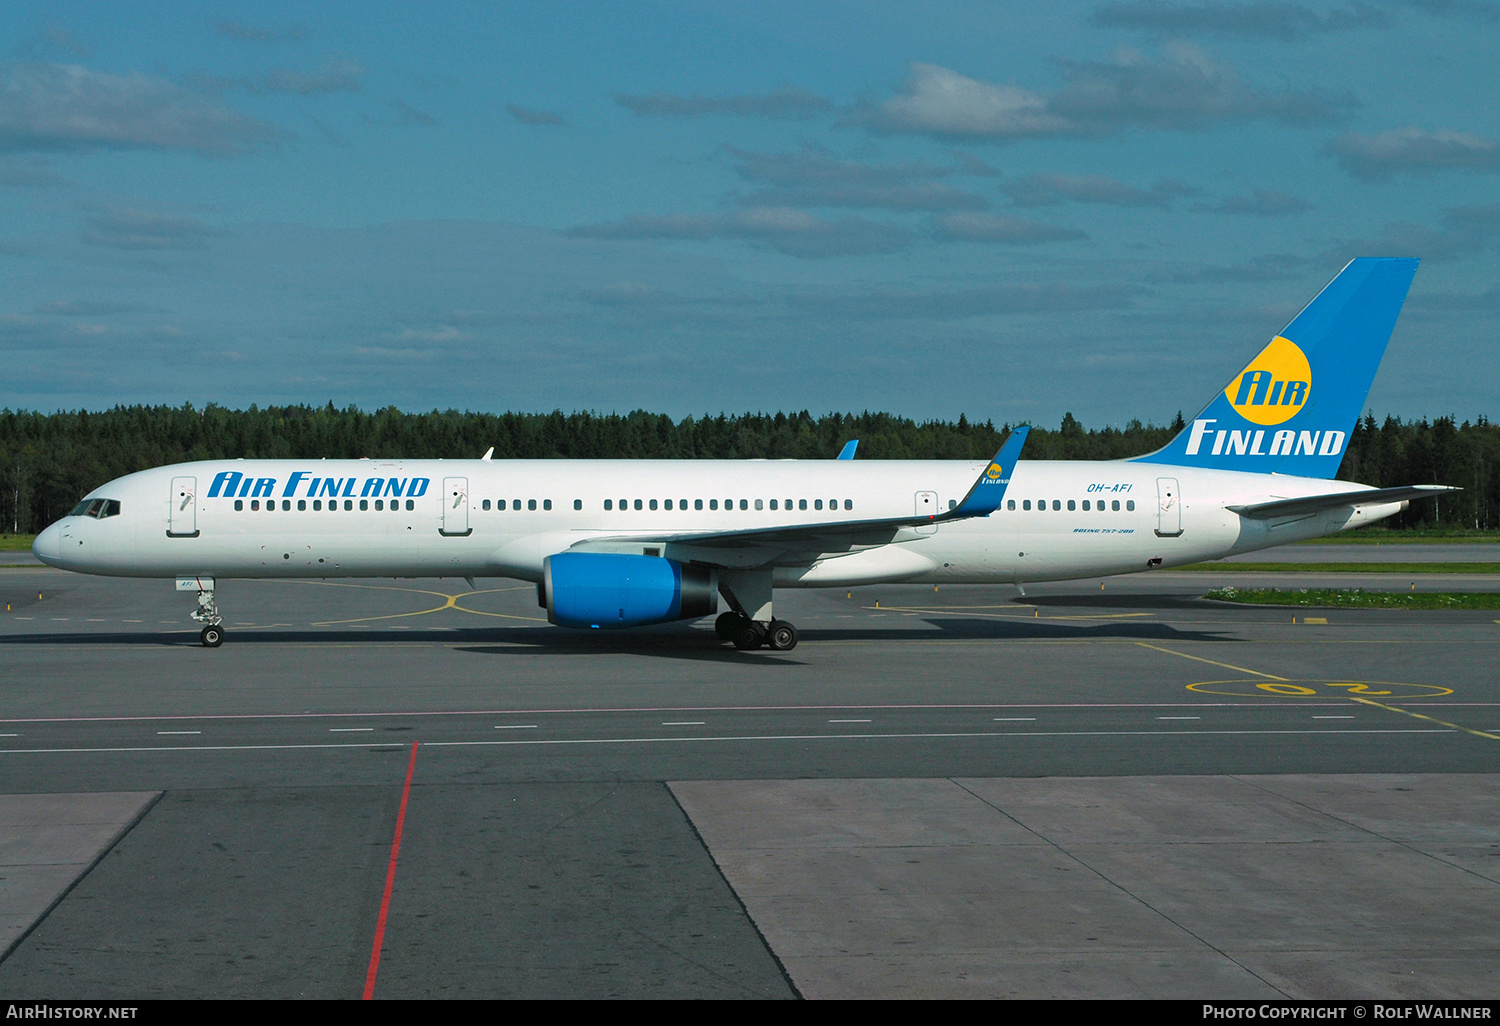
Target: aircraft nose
column 48, row 546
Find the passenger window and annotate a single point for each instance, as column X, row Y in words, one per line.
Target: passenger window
column 531, row 504
column 682, row 504
column 697, row 503
column 667, row 504
column 1010, row 504
column 1115, row 505
column 410, row 505
column 348, row 505
column 379, row 505
column 578, row 504
column 1085, row 505
column 817, row 504
column 255, row 505
column 608, row 505
column 239, row 504
column 364, row 505
column 301, row 505
column 848, row 503
column 788, row 504
column 1130, row 504
column 546, row 504
column 801, row 503
column 653, row 503
column 1057, row 504
column 317, row 504
column 485, row 504
column 713, row 503
column 1071, row 506
column 286, row 506
column 773, row 504
column 759, row 504
column 744, row 504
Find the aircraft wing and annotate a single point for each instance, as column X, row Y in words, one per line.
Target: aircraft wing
column 982, row 499
column 1318, row 503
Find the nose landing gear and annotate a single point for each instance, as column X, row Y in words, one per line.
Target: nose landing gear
column 207, row 612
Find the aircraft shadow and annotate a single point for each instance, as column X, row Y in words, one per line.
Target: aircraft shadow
column 663, row 642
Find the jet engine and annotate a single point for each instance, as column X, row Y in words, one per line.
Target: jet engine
column 610, row 589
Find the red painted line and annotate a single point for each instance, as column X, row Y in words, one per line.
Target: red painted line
column 390, row 879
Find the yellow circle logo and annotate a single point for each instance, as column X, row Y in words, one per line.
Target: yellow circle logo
column 995, row 471
column 1275, row 386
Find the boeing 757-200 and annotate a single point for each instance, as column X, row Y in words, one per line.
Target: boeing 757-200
column 622, row 543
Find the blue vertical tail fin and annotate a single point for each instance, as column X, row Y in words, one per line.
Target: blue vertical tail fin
column 1292, row 408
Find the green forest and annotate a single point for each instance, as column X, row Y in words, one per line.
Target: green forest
column 48, row 460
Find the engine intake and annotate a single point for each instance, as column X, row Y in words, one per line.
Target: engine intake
column 608, row 589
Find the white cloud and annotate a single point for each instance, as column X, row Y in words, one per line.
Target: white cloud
column 1016, row 231
column 65, row 107
column 1411, row 150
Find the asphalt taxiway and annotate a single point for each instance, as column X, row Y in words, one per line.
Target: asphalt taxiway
column 654, row 813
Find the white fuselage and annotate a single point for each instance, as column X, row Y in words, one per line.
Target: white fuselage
column 501, row 518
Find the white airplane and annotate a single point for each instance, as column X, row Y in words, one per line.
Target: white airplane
column 622, row 543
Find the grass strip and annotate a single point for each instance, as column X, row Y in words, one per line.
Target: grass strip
column 1357, row 598
column 1345, row 568
column 16, row 542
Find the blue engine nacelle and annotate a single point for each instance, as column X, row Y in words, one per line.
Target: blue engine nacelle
column 609, row 589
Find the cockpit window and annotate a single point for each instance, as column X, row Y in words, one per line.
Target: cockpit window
column 97, row 508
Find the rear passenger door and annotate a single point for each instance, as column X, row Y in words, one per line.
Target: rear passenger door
column 454, row 520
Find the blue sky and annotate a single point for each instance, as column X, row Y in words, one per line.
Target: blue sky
column 1005, row 210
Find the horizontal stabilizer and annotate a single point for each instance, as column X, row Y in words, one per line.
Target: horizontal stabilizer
column 1361, row 497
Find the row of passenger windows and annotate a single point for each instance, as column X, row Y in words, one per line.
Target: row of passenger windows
column 682, row 504
column 317, row 504
column 530, row 504
column 1057, row 504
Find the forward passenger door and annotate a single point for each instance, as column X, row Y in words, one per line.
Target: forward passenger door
column 454, row 520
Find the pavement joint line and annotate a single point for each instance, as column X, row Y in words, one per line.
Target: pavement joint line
column 1423, row 716
column 397, row 746
column 1210, row 945
column 1211, row 662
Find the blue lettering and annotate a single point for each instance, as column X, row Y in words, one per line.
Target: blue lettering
column 312, row 488
column 331, row 486
column 292, row 483
column 395, row 485
column 228, row 480
column 264, row 486
column 348, row 488
column 417, row 488
column 1259, row 381
column 372, row 487
column 245, row 486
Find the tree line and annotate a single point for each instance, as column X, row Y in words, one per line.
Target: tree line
column 49, row 460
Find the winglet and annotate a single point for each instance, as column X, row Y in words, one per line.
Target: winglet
column 488, row 453
column 984, row 498
column 847, row 453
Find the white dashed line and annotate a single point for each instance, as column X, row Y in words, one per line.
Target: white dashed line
column 1014, row 719
column 515, row 726
column 179, row 731
column 1179, row 717
column 350, row 730
column 683, row 723
column 1333, row 717
column 850, row 721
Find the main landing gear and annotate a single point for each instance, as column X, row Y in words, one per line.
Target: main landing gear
column 778, row 635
